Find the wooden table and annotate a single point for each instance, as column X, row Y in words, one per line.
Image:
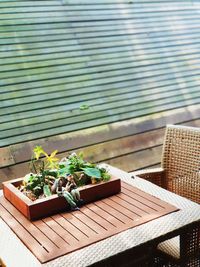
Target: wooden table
column 14, row 253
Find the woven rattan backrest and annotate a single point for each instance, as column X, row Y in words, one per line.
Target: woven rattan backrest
column 181, row 161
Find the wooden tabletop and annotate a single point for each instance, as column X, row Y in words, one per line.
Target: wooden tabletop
column 123, row 241
column 60, row 234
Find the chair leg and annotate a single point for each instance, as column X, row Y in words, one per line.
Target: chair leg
column 163, row 260
column 190, row 247
column 189, row 250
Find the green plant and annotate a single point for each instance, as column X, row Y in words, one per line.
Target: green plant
column 37, row 184
column 46, row 169
column 75, row 163
column 40, row 181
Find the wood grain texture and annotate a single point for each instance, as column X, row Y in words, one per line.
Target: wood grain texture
column 130, row 145
column 134, row 63
column 123, row 59
column 63, row 233
column 110, row 135
column 41, row 208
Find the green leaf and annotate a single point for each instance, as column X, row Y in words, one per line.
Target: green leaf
column 46, row 190
column 65, row 170
column 93, row 172
column 106, row 176
column 61, row 165
column 30, row 186
column 84, row 107
column 53, row 173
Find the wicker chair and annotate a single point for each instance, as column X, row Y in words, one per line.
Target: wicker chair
column 179, row 173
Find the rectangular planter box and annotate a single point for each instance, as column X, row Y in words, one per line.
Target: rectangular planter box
column 51, row 205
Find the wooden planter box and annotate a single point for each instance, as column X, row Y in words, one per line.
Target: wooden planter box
column 51, row 205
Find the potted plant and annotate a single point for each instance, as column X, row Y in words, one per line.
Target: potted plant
column 55, row 185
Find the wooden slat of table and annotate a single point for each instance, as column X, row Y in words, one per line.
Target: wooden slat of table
column 66, row 232
column 33, row 244
column 37, row 234
column 48, row 231
column 126, row 205
column 82, row 226
column 87, row 210
column 123, row 206
column 137, row 192
column 59, row 226
column 112, row 211
column 90, row 222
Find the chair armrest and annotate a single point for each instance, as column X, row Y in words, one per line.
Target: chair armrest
column 156, row 176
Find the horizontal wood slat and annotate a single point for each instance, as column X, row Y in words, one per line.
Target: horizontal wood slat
column 141, row 24
column 131, row 62
column 94, row 222
column 93, row 8
column 77, row 68
column 130, row 145
column 103, row 104
column 89, row 119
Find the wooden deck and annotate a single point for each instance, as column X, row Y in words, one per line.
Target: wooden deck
column 66, row 232
column 127, row 146
column 134, row 64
